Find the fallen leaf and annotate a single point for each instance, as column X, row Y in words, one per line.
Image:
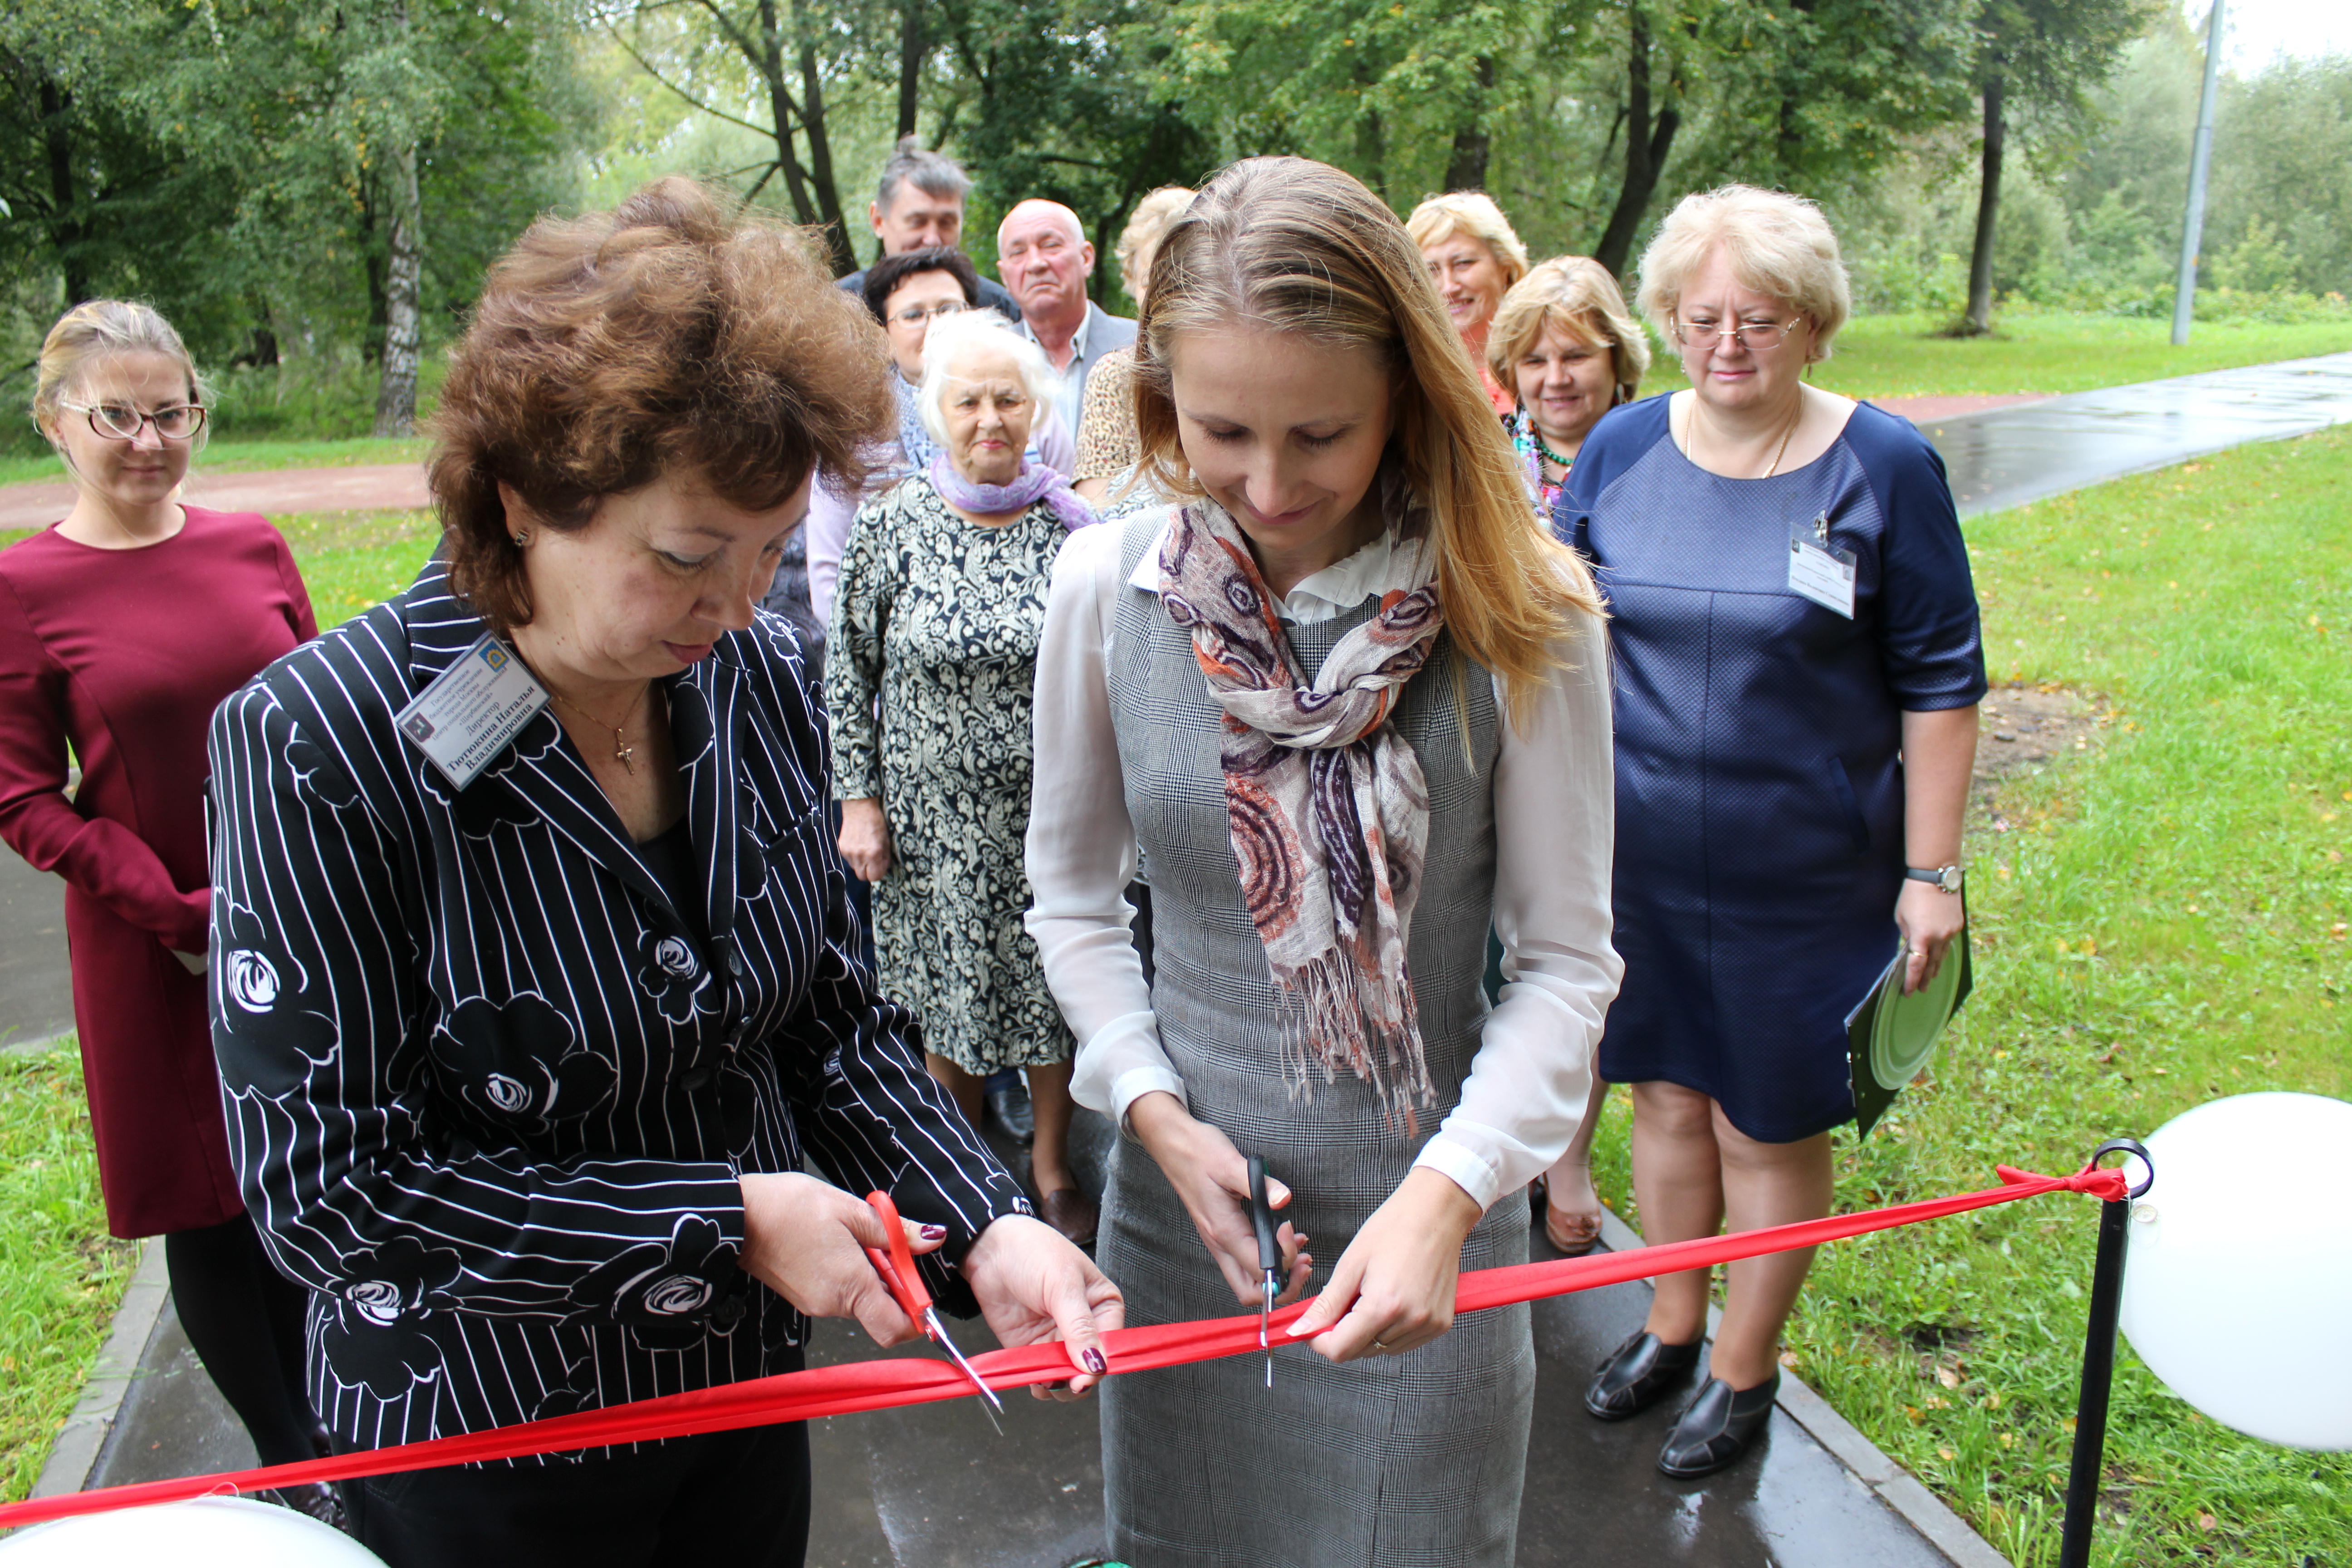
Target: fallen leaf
column 2207, row 1521
column 1947, row 1377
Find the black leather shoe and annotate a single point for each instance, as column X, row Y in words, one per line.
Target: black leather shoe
column 1635, row 1374
column 1716, row 1427
column 1009, row 1103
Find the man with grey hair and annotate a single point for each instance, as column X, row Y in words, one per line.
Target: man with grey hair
column 1044, row 257
column 920, row 203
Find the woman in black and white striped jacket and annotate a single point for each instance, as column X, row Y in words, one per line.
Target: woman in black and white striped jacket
column 520, row 1074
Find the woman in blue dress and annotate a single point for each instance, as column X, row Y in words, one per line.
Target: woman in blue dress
column 1798, row 671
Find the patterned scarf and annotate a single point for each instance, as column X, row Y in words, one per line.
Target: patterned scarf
column 1327, row 808
column 1036, row 482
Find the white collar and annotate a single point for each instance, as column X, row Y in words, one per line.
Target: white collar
column 1380, row 567
column 1078, row 339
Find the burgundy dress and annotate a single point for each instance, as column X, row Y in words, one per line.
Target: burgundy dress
column 124, row 654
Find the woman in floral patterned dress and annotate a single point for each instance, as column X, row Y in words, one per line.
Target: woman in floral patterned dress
column 935, row 628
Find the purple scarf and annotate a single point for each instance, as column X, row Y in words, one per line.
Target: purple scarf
column 1038, row 482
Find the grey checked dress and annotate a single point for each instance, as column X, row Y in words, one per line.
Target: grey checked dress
column 933, row 656
column 1411, row 1459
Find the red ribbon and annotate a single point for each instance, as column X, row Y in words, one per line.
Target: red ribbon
column 884, row 1384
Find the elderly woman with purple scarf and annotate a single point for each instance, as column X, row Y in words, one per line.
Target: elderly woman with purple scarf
column 935, row 629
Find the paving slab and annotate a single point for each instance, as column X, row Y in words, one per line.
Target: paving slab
column 36, row 982
column 2006, row 456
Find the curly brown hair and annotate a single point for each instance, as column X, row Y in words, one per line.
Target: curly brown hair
column 665, row 337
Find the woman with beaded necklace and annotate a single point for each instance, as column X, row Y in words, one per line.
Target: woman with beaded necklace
column 1564, row 343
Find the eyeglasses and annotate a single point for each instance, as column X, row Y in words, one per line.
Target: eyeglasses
column 916, row 315
column 119, row 422
column 1757, row 337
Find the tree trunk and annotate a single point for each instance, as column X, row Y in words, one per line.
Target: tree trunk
column 395, row 397
column 1467, row 169
column 782, row 111
column 1980, row 319
column 1648, row 140
column 910, row 64
column 66, row 228
column 1789, row 138
column 820, row 164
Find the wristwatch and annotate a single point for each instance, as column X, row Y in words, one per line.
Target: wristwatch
column 1948, row 878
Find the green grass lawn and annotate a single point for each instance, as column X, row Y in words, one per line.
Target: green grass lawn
column 2038, row 351
column 243, row 457
column 2165, row 923
column 60, row 1275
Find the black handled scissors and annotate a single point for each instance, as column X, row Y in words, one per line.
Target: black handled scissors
column 896, row 1267
column 1269, row 1259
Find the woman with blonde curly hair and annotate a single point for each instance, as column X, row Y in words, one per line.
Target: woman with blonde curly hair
column 1107, row 441
column 1569, row 350
column 1354, row 702
column 1474, row 256
column 1799, row 666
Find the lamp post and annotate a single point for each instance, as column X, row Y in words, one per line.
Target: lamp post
column 2192, row 228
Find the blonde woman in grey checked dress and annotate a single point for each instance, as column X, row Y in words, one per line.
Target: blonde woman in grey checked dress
column 1353, row 702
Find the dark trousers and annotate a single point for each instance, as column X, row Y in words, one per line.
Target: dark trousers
column 740, row 1499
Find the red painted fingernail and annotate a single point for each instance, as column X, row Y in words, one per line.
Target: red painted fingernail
column 1093, row 1359
column 935, row 1233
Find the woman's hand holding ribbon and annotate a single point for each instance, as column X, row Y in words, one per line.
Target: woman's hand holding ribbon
column 1393, row 1288
column 1033, row 1285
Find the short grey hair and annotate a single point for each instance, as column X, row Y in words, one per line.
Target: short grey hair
column 1777, row 244
column 950, row 335
column 934, row 174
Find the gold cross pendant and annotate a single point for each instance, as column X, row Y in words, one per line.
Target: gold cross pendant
column 622, row 755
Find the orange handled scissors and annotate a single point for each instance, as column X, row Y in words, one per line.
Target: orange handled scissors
column 897, row 1267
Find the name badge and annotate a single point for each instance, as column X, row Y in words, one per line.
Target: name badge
column 473, row 711
column 1819, row 572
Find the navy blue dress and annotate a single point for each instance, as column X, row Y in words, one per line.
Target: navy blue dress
column 1759, row 773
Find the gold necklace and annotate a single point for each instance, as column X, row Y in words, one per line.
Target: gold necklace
column 621, row 750
column 1796, row 420
column 1690, row 436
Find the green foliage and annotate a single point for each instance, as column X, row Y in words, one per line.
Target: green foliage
column 227, row 159
column 60, row 1274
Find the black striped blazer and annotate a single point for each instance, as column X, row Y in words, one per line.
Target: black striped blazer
column 487, row 1094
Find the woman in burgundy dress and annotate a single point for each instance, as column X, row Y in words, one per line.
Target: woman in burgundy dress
column 121, row 627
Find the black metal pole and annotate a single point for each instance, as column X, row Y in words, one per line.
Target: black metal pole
column 2098, row 1366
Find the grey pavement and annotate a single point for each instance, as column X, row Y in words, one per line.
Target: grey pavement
column 2006, row 456
column 35, row 986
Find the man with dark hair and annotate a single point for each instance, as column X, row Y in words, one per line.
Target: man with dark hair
column 920, row 203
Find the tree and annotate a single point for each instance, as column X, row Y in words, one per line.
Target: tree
column 1650, row 118
column 2046, row 57
column 792, row 49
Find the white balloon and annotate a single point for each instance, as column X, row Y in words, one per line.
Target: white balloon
column 2237, row 1284
column 207, row 1533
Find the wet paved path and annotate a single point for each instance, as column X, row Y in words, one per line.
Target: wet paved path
column 2006, row 456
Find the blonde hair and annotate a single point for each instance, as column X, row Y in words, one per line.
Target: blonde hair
column 1146, row 226
column 97, row 330
column 1288, row 245
column 1777, row 244
column 1576, row 294
column 1473, row 214
column 950, row 336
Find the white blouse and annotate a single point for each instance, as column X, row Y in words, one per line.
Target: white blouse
column 1554, row 808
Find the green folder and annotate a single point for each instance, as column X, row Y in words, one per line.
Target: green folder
column 1890, row 1036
